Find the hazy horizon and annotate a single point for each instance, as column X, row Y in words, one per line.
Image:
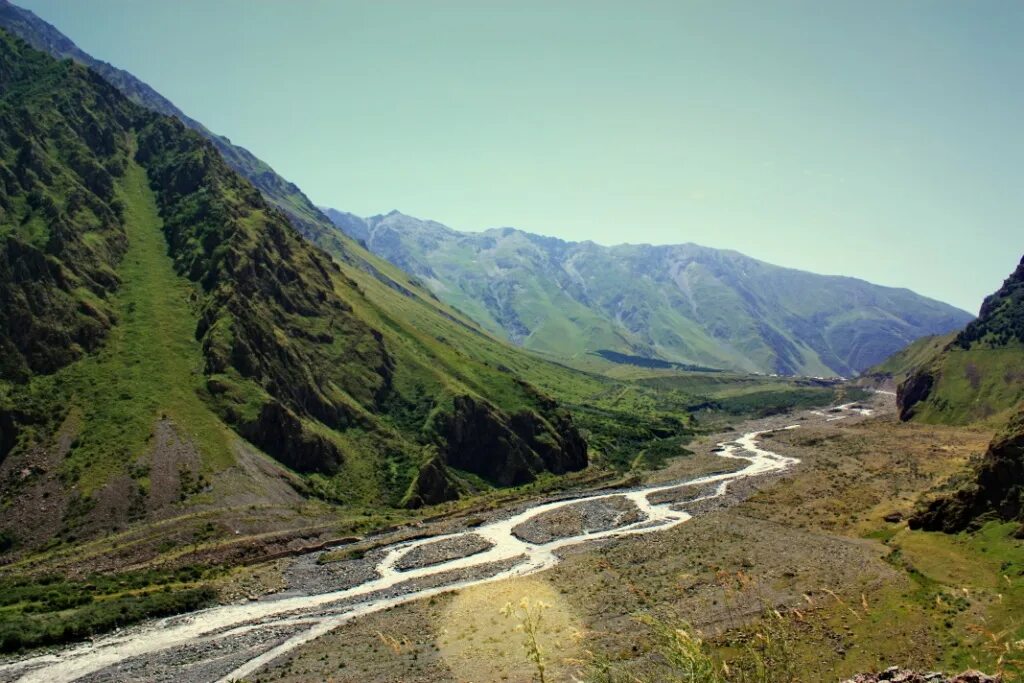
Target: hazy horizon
column 877, row 141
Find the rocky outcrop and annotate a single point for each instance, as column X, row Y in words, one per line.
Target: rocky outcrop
column 433, row 485
column 281, row 434
column 476, row 438
column 994, row 486
column 8, row 431
column 897, row 675
column 508, row 451
column 1001, row 318
column 915, row 389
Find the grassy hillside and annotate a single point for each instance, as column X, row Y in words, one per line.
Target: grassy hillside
column 900, row 364
column 155, row 305
column 680, row 303
column 979, row 374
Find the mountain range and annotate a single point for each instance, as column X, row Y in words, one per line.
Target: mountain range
column 685, row 303
column 164, row 329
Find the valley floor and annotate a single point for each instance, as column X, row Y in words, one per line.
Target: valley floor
column 808, row 542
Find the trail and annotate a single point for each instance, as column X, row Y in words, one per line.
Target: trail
column 218, row 639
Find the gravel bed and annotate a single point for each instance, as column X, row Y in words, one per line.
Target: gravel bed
column 204, row 660
column 442, row 551
column 737, row 492
column 682, row 494
column 583, row 517
column 305, row 576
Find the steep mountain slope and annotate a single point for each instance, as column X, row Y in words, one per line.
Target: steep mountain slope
column 682, row 303
column 974, row 376
column 160, row 319
column 278, row 191
column 897, row 367
column 979, row 374
column 659, row 319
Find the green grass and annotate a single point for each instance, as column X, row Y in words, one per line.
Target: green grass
column 51, row 610
column 971, row 586
column 917, row 354
column 151, row 365
column 979, row 384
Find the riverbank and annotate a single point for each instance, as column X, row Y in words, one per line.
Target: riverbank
column 248, row 636
column 856, row 592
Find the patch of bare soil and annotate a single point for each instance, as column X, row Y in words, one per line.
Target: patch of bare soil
column 34, row 503
column 173, row 468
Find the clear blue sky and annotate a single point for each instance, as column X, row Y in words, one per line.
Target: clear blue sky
column 882, row 139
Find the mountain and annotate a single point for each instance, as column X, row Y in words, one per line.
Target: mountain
column 276, row 190
column 680, row 303
column 657, row 319
column 171, row 349
column 973, row 376
column 978, row 374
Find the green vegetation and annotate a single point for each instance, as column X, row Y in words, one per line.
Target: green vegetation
column 172, row 315
column 682, row 304
column 968, row 385
column 149, row 367
column 899, row 365
column 51, row 610
column 969, row 588
column 979, row 375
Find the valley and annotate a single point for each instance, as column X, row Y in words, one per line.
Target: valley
column 249, row 636
column 246, row 439
column 807, row 558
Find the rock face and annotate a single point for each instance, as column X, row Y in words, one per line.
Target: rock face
column 897, row 675
column 994, row 486
column 915, row 389
column 280, row 433
column 1001, row 318
column 433, row 485
column 508, row 451
column 681, row 303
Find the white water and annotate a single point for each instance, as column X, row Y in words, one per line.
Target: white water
column 221, row 623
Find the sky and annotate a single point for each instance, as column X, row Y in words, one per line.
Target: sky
column 878, row 139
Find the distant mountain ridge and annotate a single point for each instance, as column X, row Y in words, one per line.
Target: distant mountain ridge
column 678, row 303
